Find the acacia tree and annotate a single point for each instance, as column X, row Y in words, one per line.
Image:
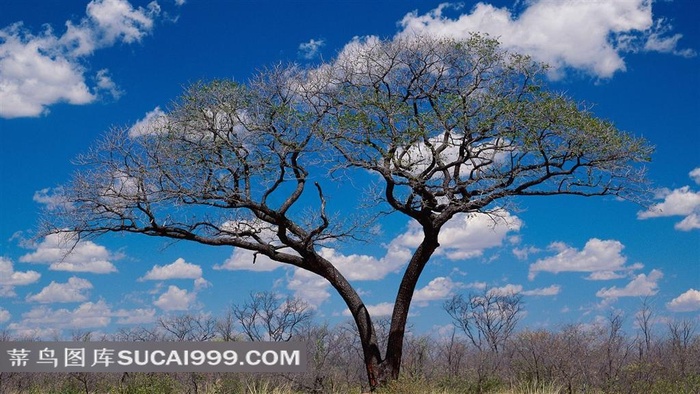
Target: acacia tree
column 450, row 127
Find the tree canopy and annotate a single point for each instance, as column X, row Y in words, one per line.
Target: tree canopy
column 448, row 126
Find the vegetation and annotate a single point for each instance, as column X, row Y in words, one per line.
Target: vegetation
column 599, row 359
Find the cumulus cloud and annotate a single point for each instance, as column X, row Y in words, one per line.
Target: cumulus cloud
column 465, row 236
column 505, row 290
column 242, row 259
column 686, row 302
column 62, row 254
column 153, row 122
column 5, row 315
column 642, row 285
column 88, row 315
column 309, row 287
column 39, row 70
column 695, row 174
column 175, row 299
column 586, row 35
column 309, row 50
column 135, row 316
column 378, row 310
column 439, row 288
column 544, row 291
column 364, row 267
column 511, row 289
column 678, row 202
column 603, row 259
column 9, row 278
column 52, row 199
column 104, row 83
column 524, row 252
column 72, row 291
column 179, row 269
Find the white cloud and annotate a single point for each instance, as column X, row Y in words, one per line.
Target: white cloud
column 179, row 269
column 695, row 174
column 152, row 123
column 33, row 76
column 9, row 278
column 602, row 258
column 506, row 290
column 464, row 236
column 511, row 289
column 136, row 316
column 690, row 222
column 243, row 259
column 364, row 267
column 62, row 254
column 86, row 315
column 678, row 202
column 686, row 302
column 52, row 198
column 524, row 252
column 117, row 20
column 543, row 292
column 309, row 50
column 585, row 35
column 309, row 287
column 39, row 70
column 439, row 288
column 378, row 310
column 71, row 291
column 103, row 82
column 5, row 315
column 175, row 299
column 641, row 285
column 201, row 283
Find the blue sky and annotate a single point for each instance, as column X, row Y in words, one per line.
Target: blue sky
column 70, row 71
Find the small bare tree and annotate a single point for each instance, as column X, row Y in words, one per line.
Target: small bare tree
column 267, row 316
column 682, row 334
column 188, row 327
column 487, row 319
column 644, row 320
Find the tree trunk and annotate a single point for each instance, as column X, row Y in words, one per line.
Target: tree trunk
column 380, row 370
column 390, row 368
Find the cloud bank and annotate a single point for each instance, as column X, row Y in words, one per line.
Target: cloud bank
column 591, row 36
column 38, row 70
column 683, row 202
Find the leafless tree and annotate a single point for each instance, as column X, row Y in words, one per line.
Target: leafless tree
column 451, row 127
column 488, row 318
column 267, row 316
column 644, row 320
column 188, row 327
column 139, row 334
column 453, row 352
column 614, row 350
column 682, row 333
column 225, row 327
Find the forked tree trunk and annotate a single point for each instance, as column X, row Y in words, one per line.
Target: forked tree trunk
column 382, row 371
